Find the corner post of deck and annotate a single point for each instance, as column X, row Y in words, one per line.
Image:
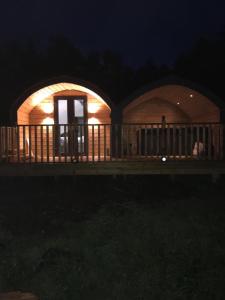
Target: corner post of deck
column 116, row 119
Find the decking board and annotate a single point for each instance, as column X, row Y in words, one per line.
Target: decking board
column 113, row 168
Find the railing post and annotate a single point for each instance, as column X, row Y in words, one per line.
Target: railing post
column 99, row 143
column 105, row 143
column 221, row 141
column 145, row 140
column 30, row 143
column 116, row 141
column 93, row 142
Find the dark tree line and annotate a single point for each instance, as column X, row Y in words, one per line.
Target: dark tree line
column 23, row 64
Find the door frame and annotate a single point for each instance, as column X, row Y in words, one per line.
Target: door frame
column 71, row 121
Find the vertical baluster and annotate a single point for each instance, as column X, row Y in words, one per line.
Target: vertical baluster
column 70, row 142
column 18, row 143
column 104, row 142
column 151, row 140
column 139, row 139
column 157, row 140
column 9, row 142
column 116, row 140
column 180, row 140
column 35, row 143
column 162, row 139
column 191, row 141
column 168, row 140
column 111, row 141
column 3, row 141
column 76, row 142
column 93, row 143
column 204, row 141
column 87, row 141
column 30, row 142
column 99, row 144
column 6, row 144
column 65, row 140
column 127, row 140
column 186, row 141
column 41, row 129
column 12, row 142
column 209, row 141
column 53, row 143
column 218, row 142
column 221, row 141
column 59, row 142
column 134, row 148
column 145, row 140
column 122, row 141
column 24, row 143
column 47, row 142
column 81, row 141
column 198, row 154
column 174, row 141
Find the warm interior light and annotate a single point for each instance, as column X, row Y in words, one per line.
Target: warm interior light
column 48, row 121
column 47, row 108
column 93, row 121
column 48, row 91
column 93, row 108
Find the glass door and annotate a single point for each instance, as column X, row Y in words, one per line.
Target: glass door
column 79, row 119
column 71, row 116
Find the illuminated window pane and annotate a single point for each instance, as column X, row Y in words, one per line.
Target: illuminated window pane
column 62, row 112
column 79, row 108
column 62, row 117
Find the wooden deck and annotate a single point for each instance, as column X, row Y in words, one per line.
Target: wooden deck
column 214, row 168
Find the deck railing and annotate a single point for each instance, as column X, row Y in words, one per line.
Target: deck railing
column 111, row 142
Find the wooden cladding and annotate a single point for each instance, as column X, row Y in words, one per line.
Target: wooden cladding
column 104, row 142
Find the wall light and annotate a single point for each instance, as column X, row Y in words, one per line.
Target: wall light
column 48, row 121
column 47, row 108
column 93, row 108
column 93, row 121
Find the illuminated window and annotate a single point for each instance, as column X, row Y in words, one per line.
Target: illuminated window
column 79, row 108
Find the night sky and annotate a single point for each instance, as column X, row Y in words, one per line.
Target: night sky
column 139, row 30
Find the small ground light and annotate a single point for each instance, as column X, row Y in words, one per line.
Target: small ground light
column 163, row 159
column 178, row 103
column 191, row 95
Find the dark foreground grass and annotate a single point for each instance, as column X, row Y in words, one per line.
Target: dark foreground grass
column 98, row 238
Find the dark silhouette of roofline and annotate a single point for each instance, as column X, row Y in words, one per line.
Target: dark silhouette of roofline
column 173, row 80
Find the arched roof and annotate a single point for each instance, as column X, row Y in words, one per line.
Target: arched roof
column 174, row 80
column 39, row 91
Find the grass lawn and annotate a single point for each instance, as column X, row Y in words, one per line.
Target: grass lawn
column 102, row 238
